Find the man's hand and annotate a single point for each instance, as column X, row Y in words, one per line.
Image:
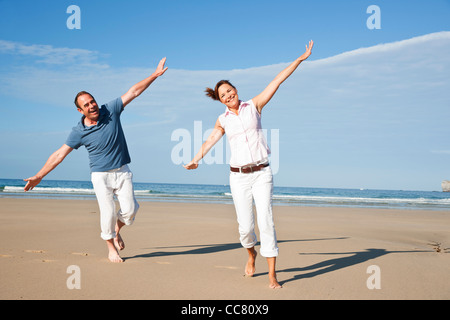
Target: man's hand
column 32, row 182
column 141, row 86
column 53, row 161
column 160, row 69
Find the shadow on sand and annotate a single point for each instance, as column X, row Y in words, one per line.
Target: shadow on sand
column 326, row 266
column 334, row 264
column 206, row 249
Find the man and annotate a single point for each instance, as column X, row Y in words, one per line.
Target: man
column 100, row 131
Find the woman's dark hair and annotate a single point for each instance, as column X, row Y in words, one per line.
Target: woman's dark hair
column 214, row 93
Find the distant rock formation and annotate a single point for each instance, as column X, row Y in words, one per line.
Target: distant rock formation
column 446, row 186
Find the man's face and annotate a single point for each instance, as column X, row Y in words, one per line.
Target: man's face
column 88, row 107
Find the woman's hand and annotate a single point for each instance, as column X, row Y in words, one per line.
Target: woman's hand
column 264, row 97
column 191, row 165
column 308, row 51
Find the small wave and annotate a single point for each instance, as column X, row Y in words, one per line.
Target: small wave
column 171, row 195
column 145, row 191
column 49, row 190
column 360, row 200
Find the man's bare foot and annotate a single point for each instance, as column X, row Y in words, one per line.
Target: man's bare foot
column 118, row 242
column 250, row 266
column 273, row 283
column 113, row 254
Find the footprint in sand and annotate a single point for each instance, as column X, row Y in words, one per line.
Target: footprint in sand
column 81, row 254
column 39, row 251
column 226, row 267
column 35, row 251
column 163, row 262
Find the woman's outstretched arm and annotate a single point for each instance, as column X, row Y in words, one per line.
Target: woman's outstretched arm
column 264, row 97
column 213, row 138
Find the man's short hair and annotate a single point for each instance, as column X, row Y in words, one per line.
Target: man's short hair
column 80, row 94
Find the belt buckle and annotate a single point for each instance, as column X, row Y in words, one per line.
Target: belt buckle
column 250, row 168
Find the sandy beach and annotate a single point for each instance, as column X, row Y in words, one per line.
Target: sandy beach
column 186, row 251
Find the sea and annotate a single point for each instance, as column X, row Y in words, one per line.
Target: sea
column 201, row 193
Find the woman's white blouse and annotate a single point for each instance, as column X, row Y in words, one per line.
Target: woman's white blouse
column 245, row 136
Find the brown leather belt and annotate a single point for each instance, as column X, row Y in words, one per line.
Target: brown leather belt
column 249, row 169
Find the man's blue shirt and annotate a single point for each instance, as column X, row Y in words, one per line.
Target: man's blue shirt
column 105, row 141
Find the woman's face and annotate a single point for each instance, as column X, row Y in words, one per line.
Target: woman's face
column 228, row 96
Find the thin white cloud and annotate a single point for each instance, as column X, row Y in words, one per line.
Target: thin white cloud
column 47, row 54
column 388, row 47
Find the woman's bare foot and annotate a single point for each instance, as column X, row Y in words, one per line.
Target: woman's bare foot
column 273, row 282
column 113, row 255
column 250, row 266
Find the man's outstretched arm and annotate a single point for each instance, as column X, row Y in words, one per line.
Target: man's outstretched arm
column 141, row 86
column 56, row 158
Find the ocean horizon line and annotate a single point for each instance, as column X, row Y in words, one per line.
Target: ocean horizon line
column 210, row 193
column 227, row 185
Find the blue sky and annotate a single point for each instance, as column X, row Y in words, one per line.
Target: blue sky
column 369, row 109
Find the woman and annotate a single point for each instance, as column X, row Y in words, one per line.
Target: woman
column 250, row 176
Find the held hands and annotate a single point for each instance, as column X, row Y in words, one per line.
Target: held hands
column 308, row 51
column 160, row 69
